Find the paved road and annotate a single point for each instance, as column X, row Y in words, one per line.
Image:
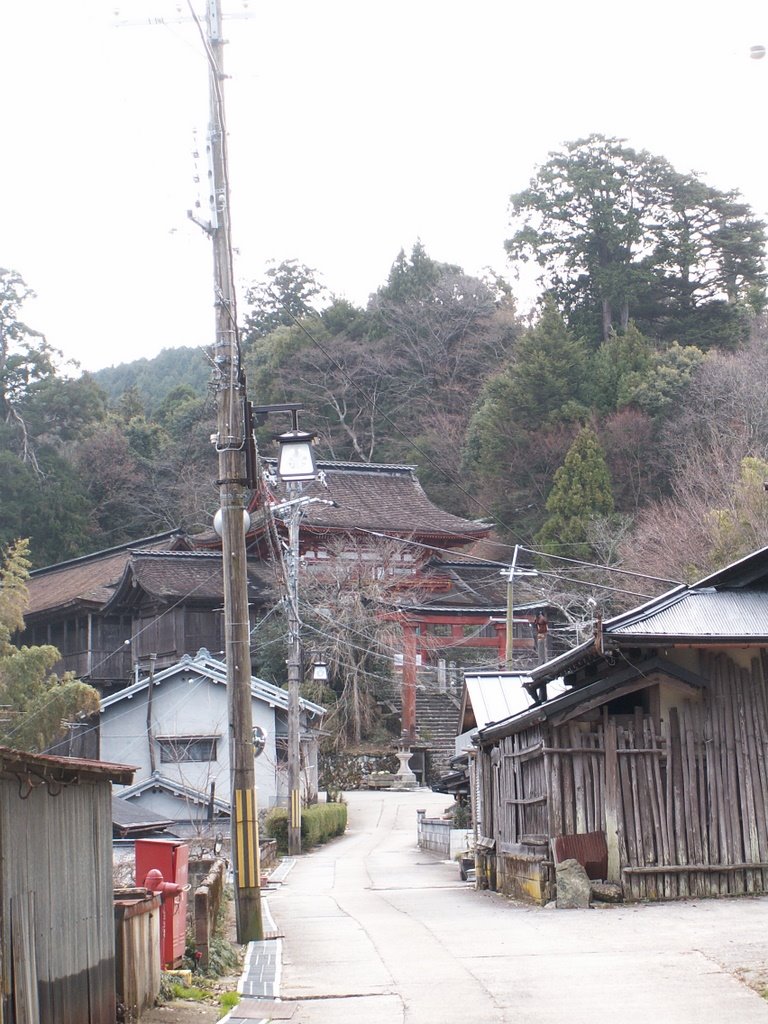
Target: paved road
column 378, row 932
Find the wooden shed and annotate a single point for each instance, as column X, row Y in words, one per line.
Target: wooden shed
column 652, row 767
column 57, row 940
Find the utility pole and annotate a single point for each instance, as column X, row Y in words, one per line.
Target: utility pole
column 511, row 612
column 230, row 441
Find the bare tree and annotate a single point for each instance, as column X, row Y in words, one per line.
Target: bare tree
column 353, row 625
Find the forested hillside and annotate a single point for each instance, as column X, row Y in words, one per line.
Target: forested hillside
column 625, row 422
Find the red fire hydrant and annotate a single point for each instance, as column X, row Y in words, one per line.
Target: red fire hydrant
column 156, row 883
column 172, row 925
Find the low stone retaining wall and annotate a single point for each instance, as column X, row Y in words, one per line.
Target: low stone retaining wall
column 439, row 836
column 207, row 901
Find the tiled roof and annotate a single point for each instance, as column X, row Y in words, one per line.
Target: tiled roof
column 88, row 581
column 216, row 671
column 372, row 496
column 475, row 586
column 193, row 575
column 175, row 788
column 127, row 818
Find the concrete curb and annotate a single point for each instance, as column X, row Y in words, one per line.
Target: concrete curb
column 262, row 968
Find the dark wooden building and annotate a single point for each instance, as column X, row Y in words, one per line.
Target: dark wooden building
column 115, row 613
column 651, row 768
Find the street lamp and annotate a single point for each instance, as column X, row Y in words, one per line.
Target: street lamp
column 296, row 457
column 319, row 671
column 295, row 464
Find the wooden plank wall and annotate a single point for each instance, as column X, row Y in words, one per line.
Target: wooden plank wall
column 692, row 804
column 695, row 814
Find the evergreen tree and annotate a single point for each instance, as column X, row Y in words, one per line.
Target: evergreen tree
column 620, row 234
column 548, row 373
column 580, row 491
column 37, row 703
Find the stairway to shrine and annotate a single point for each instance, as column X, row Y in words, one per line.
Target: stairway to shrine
column 437, row 715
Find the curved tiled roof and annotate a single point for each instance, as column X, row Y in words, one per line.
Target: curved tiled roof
column 88, row 581
column 193, row 575
column 377, row 497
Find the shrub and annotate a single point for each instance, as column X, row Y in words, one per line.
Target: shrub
column 319, row 823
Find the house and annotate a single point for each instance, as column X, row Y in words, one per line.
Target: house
column 173, row 724
column 65, row 609
column 651, row 768
column 114, row 612
column 57, row 933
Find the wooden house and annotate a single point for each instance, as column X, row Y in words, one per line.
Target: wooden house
column 57, row 932
column 651, row 768
column 173, row 726
column 115, row 613
column 66, row 603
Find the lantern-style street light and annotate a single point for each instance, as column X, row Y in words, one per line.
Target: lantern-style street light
column 295, row 464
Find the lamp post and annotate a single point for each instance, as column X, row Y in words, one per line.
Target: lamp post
column 295, row 464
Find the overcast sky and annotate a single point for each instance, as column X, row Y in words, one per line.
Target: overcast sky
column 354, row 129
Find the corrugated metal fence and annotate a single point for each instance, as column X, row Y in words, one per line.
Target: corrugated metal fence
column 57, row 932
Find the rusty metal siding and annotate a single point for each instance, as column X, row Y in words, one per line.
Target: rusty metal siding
column 55, row 843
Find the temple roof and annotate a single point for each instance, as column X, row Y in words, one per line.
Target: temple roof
column 374, row 497
column 89, row 581
column 196, row 576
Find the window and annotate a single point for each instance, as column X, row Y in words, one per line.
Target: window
column 176, row 749
column 439, row 629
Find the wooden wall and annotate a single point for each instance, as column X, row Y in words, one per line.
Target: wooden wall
column 683, row 801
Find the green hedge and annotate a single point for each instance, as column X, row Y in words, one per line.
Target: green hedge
column 319, row 823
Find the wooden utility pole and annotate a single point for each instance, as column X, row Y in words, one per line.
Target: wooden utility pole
column 230, row 442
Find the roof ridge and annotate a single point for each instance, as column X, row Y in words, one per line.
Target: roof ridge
column 94, row 555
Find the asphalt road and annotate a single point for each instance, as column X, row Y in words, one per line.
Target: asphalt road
column 378, row 932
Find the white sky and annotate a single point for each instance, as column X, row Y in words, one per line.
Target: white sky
column 355, row 127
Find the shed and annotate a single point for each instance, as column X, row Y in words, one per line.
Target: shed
column 655, row 754
column 57, row 941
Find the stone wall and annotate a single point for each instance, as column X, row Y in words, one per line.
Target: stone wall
column 439, row 836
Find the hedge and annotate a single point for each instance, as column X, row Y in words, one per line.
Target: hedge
column 319, row 823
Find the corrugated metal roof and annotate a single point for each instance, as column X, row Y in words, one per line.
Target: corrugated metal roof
column 496, row 697
column 701, row 614
column 12, row 760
